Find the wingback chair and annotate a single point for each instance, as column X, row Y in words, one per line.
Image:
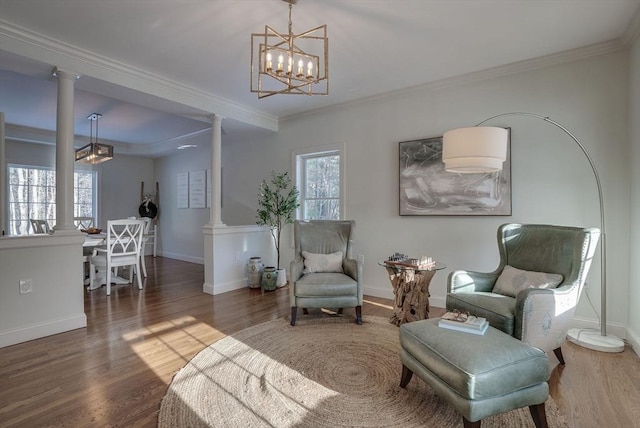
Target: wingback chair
column 323, row 274
column 533, row 293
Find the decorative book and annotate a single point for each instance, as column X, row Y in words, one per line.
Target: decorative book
column 464, row 322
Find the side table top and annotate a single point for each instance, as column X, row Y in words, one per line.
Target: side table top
column 437, row 266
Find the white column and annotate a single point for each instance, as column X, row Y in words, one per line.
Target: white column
column 65, row 155
column 216, row 172
column 3, row 180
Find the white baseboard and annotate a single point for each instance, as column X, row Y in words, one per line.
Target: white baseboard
column 36, row 331
column 633, row 339
column 184, row 258
column 214, row 289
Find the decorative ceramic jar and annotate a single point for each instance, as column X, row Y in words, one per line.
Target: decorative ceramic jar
column 269, row 278
column 254, row 272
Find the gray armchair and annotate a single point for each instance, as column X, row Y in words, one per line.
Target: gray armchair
column 530, row 256
column 323, row 274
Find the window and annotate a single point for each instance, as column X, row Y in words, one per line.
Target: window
column 32, row 194
column 319, row 180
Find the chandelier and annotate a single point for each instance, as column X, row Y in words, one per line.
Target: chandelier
column 290, row 63
column 94, row 152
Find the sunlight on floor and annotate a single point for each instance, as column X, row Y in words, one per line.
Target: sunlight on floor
column 178, row 335
column 369, row 302
column 271, row 391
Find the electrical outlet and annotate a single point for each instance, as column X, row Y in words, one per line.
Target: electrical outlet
column 26, row 286
column 361, row 258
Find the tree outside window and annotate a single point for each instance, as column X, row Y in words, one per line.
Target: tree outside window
column 32, row 195
column 320, row 186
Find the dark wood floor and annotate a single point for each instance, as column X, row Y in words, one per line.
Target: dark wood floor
column 116, row 371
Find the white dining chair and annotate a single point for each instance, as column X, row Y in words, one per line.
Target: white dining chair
column 39, row 226
column 123, row 248
column 83, row 223
column 148, row 238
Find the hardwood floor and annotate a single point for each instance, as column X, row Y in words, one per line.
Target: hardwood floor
column 116, row 371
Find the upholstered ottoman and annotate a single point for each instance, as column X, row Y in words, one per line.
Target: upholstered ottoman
column 479, row 376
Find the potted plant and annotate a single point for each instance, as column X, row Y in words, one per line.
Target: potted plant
column 277, row 203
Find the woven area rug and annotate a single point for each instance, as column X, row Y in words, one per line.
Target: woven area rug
column 325, row 372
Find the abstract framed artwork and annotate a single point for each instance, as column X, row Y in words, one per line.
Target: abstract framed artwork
column 427, row 189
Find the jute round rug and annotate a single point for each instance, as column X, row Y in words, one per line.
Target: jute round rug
column 325, row 372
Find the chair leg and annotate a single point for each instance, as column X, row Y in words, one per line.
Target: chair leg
column 406, row 376
column 539, row 415
column 305, row 311
column 137, row 267
column 294, row 312
column 468, row 424
column 144, row 265
column 108, row 280
column 359, row 315
column 92, row 275
column 559, row 356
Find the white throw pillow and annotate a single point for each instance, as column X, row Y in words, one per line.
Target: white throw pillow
column 322, row 262
column 512, row 281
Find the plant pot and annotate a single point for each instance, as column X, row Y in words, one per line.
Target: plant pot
column 269, row 278
column 281, row 281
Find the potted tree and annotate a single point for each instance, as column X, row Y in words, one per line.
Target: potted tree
column 277, row 203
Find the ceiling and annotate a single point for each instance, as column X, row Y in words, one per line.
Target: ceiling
column 157, row 69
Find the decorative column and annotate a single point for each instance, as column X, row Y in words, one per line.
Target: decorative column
column 65, row 156
column 3, row 180
column 216, row 171
column 215, row 213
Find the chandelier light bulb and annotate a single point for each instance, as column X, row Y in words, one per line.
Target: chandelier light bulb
column 269, row 66
column 300, row 68
column 310, row 70
column 280, row 61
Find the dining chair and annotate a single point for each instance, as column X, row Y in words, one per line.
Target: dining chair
column 123, row 247
column 83, row 223
column 40, row 226
column 150, row 233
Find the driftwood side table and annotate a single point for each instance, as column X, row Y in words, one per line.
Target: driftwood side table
column 411, row 291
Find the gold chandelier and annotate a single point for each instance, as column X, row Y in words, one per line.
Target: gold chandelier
column 94, row 152
column 290, row 63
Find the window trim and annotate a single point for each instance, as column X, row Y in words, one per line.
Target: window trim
column 298, row 175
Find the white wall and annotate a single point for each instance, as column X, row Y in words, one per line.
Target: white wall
column 634, row 165
column 56, row 302
column 552, row 181
column 180, row 232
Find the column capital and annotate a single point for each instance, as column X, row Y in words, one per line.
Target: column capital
column 67, row 74
column 215, row 118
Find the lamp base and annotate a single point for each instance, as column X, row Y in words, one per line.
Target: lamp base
column 592, row 339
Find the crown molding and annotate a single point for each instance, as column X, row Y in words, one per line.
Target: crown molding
column 27, row 43
column 477, row 76
column 632, row 32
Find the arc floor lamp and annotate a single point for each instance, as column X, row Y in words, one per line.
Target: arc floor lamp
column 481, row 149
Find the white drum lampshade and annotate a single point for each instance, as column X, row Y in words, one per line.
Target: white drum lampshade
column 479, row 149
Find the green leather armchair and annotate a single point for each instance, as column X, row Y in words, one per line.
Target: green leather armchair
column 321, row 277
column 537, row 316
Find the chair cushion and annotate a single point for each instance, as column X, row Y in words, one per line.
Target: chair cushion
column 322, row 262
column 325, row 285
column 512, row 281
column 499, row 310
column 476, row 367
